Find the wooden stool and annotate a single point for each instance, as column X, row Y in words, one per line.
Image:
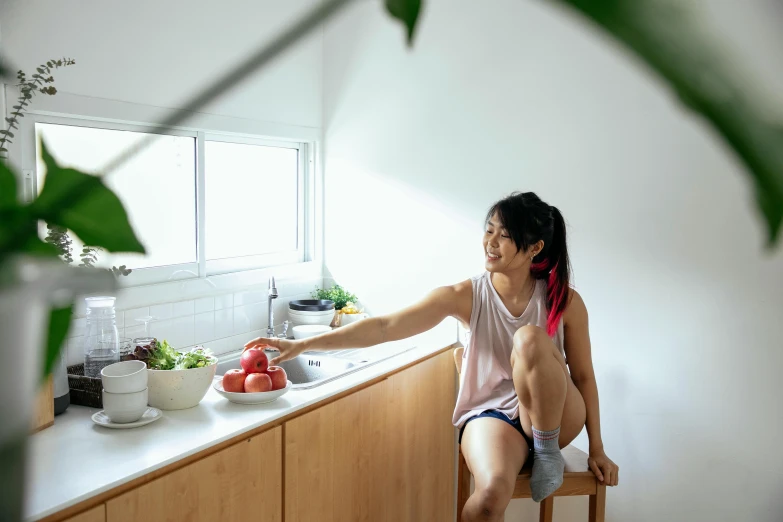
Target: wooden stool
column 577, row 480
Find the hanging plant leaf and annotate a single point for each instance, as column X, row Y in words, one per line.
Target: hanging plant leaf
column 407, row 11
column 84, row 204
column 669, row 39
column 59, row 323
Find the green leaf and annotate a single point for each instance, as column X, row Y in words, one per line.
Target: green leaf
column 671, row 41
column 7, row 133
column 407, row 11
column 59, row 322
column 84, row 204
column 7, row 186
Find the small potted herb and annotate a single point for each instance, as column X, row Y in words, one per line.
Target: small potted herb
column 344, row 302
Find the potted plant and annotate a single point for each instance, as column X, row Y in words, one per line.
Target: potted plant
column 343, row 300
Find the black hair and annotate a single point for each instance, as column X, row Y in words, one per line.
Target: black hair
column 528, row 220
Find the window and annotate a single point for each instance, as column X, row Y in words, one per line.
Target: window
column 239, row 205
column 253, row 203
column 157, row 187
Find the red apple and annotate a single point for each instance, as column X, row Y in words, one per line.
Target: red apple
column 278, row 376
column 234, row 381
column 254, row 360
column 258, row 382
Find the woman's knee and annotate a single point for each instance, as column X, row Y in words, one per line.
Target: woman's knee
column 493, row 496
column 529, row 345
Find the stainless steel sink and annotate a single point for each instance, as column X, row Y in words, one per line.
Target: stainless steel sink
column 307, row 370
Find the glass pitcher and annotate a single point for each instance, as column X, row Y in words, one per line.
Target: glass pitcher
column 102, row 341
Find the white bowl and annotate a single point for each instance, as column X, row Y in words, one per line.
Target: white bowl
column 124, row 377
column 309, row 330
column 322, row 318
column 346, row 319
column 179, row 389
column 250, row 398
column 125, row 407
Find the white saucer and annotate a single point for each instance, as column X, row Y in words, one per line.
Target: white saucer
column 151, row 415
column 250, row 398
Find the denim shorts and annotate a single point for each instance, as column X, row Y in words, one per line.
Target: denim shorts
column 515, row 423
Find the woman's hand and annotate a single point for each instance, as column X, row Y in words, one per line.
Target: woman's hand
column 288, row 349
column 603, row 467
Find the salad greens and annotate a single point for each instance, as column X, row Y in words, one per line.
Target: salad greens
column 162, row 356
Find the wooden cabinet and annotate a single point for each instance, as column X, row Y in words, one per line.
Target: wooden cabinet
column 96, row 514
column 385, row 453
column 241, row 482
column 422, row 445
column 335, row 460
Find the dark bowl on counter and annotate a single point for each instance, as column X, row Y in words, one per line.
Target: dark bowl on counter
column 311, row 305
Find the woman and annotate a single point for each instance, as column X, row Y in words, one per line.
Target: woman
column 527, row 329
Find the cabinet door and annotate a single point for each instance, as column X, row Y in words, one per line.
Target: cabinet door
column 241, row 482
column 336, row 459
column 422, row 445
column 96, row 514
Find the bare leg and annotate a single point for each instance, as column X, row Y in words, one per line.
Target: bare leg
column 539, row 379
column 494, row 452
column 543, row 387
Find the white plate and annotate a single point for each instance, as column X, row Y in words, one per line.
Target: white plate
column 151, row 415
column 250, row 398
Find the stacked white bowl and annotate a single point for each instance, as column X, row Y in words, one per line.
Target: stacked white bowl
column 125, row 391
column 311, row 311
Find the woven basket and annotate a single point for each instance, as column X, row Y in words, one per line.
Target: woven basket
column 85, row 391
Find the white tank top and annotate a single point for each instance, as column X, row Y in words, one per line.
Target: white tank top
column 486, row 381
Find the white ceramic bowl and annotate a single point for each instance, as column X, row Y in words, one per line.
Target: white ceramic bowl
column 309, row 330
column 124, row 377
column 123, row 408
column 179, row 389
column 352, row 318
column 250, row 398
column 322, row 318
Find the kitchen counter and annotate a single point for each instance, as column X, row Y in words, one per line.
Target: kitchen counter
column 75, row 459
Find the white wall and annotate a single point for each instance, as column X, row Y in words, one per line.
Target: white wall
column 155, row 53
column 685, row 304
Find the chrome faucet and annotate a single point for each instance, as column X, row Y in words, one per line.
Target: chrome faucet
column 270, row 329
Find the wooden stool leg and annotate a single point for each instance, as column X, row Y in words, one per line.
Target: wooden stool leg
column 547, row 509
column 463, row 485
column 598, row 504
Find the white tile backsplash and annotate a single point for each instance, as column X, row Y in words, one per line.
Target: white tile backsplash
column 250, row 297
column 134, row 331
column 249, row 317
column 224, row 323
column 224, row 301
column 183, row 308
column 205, row 304
column 204, row 327
column 78, row 327
column 136, row 313
column 178, row 332
column 161, row 312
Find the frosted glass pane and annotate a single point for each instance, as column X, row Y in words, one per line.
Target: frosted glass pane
column 252, row 199
column 157, row 187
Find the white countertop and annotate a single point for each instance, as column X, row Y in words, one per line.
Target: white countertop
column 76, row 459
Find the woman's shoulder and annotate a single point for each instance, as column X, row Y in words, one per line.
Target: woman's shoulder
column 576, row 310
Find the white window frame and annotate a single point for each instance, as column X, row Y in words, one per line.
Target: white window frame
column 201, row 268
column 236, row 264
